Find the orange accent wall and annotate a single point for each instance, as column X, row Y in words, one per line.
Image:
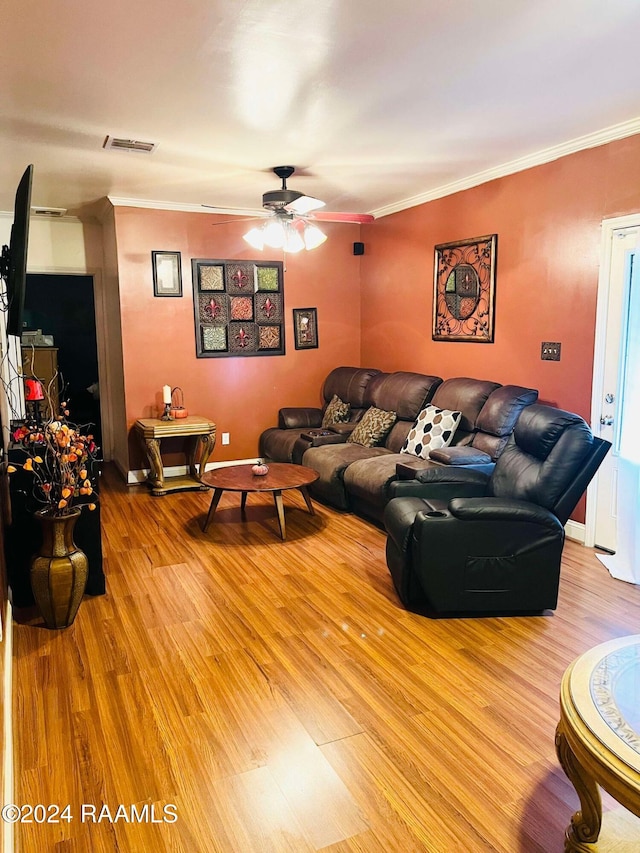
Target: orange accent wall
column 548, row 224
column 242, row 395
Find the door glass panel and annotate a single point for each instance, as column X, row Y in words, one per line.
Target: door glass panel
column 629, row 405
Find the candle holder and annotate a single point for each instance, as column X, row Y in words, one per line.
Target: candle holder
column 167, row 413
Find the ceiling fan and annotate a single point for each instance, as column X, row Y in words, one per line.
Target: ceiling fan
column 290, row 216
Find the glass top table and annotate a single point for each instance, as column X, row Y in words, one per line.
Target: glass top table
column 598, row 744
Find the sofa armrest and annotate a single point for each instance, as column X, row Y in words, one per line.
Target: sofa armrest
column 501, row 510
column 443, row 491
column 460, row 456
column 344, row 429
column 320, row 437
column 299, row 418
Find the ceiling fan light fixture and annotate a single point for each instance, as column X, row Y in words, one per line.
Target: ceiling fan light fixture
column 313, row 236
column 286, row 232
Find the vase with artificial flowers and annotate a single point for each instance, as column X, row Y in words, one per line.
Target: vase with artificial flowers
column 59, row 457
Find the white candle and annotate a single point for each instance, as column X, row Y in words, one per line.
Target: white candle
column 166, row 393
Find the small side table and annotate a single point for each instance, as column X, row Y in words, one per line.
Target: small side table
column 598, row 744
column 200, row 434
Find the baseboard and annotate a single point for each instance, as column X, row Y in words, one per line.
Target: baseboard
column 8, row 838
column 134, row 478
column 575, row 530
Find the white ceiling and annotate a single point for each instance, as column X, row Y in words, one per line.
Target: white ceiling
column 376, row 102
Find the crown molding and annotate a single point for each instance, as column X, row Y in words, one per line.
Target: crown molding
column 590, row 140
column 182, row 207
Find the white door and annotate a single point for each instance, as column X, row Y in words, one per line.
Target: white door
column 616, row 403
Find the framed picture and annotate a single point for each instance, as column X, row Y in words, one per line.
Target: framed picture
column 239, row 308
column 305, row 328
column 464, row 290
column 167, row 273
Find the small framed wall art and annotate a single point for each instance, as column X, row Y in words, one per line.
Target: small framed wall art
column 464, row 290
column 239, row 307
column 167, row 273
column 305, row 328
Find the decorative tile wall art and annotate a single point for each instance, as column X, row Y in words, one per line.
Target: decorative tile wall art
column 464, row 290
column 238, row 307
column 305, row 328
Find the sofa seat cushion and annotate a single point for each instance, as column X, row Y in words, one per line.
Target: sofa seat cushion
column 337, row 412
column 373, row 427
column 367, row 480
column 433, row 428
column 330, row 462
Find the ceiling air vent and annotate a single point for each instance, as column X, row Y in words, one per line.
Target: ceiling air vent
column 48, row 211
column 113, row 143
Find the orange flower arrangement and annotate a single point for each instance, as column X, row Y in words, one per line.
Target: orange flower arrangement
column 59, row 456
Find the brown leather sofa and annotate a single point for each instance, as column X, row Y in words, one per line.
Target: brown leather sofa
column 358, row 478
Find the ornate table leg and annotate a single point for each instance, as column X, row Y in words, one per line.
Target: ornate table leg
column 156, row 474
column 586, row 823
column 208, row 443
column 277, row 496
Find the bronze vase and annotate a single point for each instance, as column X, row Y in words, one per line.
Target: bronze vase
column 59, row 570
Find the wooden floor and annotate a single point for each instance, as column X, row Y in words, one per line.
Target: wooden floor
column 276, row 697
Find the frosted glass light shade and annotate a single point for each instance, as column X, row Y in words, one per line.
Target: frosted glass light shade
column 255, row 238
column 313, row 236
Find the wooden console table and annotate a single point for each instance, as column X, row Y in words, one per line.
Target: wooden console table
column 199, row 432
column 598, row 744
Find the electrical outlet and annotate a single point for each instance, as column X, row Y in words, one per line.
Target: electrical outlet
column 225, row 438
column 550, row 351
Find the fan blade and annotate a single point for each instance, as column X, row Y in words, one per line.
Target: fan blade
column 325, row 216
column 242, row 212
column 239, row 219
column 304, row 204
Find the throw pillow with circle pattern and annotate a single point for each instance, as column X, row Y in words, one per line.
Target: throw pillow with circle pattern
column 373, row 427
column 337, row 412
column 433, row 428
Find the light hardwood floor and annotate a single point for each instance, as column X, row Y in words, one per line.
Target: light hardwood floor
column 280, row 697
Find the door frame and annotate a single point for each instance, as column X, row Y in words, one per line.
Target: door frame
column 609, row 226
column 104, row 375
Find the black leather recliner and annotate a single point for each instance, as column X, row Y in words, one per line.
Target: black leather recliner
column 460, row 541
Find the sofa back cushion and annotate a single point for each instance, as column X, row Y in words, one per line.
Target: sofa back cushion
column 350, row 385
column 543, row 456
column 466, row 395
column 404, row 393
column 498, row 417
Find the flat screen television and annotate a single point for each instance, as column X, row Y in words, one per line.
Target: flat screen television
column 14, row 266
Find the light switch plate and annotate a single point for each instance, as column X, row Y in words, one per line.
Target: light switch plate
column 550, row 351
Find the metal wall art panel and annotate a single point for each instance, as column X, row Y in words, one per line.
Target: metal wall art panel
column 464, row 290
column 238, row 307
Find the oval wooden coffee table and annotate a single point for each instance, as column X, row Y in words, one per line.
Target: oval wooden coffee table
column 240, row 478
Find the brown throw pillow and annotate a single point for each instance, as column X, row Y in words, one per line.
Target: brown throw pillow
column 373, row 427
column 336, row 412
